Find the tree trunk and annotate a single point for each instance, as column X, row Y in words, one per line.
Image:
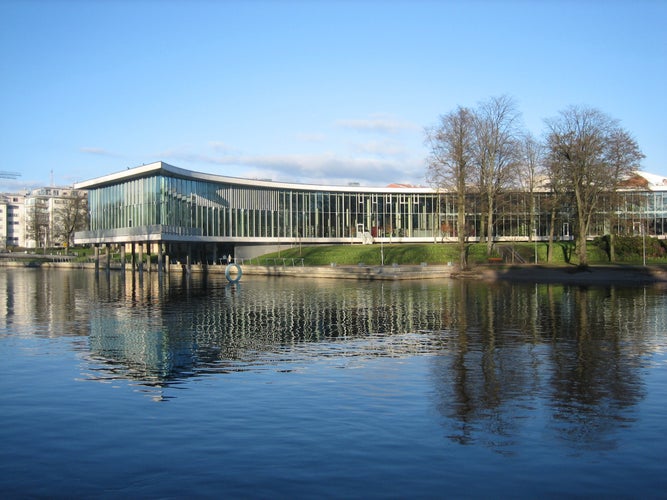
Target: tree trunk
column 461, row 229
column 582, row 226
column 581, row 243
column 482, row 227
column 489, row 227
column 552, row 232
column 531, row 211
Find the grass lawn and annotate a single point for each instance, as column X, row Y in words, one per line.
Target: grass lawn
column 433, row 254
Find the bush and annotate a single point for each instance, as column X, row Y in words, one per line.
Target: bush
column 631, row 248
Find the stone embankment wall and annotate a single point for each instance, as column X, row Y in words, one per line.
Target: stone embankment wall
column 592, row 275
column 355, row 272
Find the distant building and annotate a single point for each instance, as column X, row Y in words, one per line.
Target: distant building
column 35, row 219
column 187, row 214
column 12, row 221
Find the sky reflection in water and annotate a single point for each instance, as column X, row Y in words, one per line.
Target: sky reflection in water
column 278, row 387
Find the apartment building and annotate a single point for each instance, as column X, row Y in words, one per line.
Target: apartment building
column 39, row 218
column 12, row 220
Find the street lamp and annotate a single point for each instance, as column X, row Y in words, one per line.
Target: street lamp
column 535, row 242
column 381, row 252
column 643, row 245
column 643, row 222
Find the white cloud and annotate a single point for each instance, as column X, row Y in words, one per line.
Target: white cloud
column 374, row 162
column 221, row 147
column 99, row 152
column 311, row 137
column 325, row 168
column 378, row 124
column 384, row 148
column 18, row 185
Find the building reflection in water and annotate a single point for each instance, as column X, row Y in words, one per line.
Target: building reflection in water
column 498, row 353
column 167, row 329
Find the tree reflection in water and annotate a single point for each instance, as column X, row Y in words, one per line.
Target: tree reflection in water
column 517, row 351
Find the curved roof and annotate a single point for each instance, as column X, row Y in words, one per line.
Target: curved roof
column 162, row 167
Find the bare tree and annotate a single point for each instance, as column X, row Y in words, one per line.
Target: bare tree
column 623, row 157
column 558, row 201
column 71, row 216
column 583, row 146
column 450, row 165
column 37, row 223
column 496, row 153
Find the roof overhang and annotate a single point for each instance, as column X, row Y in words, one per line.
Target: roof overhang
column 160, row 167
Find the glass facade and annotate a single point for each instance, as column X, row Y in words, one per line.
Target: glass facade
column 231, row 210
column 170, row 201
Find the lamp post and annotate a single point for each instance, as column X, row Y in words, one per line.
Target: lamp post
column 381, row 252
column 643, row 222
column 535, row 243
column 643, row 245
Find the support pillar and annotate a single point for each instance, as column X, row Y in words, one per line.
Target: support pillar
column 159, row 257
column 107, row 248
column 96, row 257
column 122, row 258
column 140, row 258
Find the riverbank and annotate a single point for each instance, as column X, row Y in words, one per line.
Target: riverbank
column 573, row 275
column 529, row 273
column 359, row 272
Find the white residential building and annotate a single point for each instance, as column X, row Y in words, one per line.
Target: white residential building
column 12, row 220
column 29, row 219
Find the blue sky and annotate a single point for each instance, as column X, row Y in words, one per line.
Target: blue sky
column 315, row 92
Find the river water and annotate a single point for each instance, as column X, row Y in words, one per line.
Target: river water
column 172, row 387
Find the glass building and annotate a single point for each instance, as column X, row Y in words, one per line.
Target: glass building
column 208, row 216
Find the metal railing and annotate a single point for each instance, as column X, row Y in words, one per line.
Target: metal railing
column 284, row 262
column 139, row 231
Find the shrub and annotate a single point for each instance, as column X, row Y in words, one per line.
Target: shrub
column 631, row 248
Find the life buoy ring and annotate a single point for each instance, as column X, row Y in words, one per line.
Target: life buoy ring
column 228, row 273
